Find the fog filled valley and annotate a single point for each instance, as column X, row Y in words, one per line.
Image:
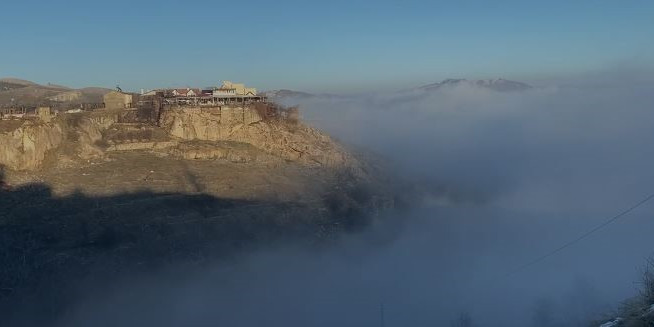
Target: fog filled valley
column 511, row 178
column 485, row 185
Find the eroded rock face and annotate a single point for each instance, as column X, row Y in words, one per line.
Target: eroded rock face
column 25, row 147
column 289, row 141
column 89, row 131
column 269, row 141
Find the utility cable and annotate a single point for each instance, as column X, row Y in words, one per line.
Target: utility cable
column 581, row 237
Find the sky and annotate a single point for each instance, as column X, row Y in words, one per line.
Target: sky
column 317, row 46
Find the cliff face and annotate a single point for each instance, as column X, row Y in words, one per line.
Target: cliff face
column 25, row 147
column 238, row 134
column 288, row 140
column 89, row 131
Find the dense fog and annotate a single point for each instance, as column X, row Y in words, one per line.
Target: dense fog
column 505, row 178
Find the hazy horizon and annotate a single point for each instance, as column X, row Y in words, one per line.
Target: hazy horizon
column 635, row 74
column 338, row 47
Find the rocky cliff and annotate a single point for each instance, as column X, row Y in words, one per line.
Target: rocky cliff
column 289, row 140
column 24, row 144
column 239, row 134
column 25, row 147
column 88, row 131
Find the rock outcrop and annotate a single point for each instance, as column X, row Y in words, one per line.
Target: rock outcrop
column 290, row 141
column 89, row 132
column 247, row 133
column 25, row 148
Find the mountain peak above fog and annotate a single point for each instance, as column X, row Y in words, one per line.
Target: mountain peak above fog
column 284, row 93
column 498, row 84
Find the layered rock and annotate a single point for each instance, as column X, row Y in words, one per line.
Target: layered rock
column 25, row 148
column 89, row 132
column 218, row 131
column 291, row 141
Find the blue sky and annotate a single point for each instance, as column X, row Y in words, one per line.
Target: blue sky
column 329, row 46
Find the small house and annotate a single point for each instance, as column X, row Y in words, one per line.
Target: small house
column 117, row 100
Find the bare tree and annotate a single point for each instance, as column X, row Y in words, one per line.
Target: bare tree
column 647, row 291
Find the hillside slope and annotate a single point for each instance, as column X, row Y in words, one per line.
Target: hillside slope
column 20, row 92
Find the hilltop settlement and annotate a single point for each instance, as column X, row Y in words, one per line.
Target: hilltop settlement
column 231, row 123
column 74, row 101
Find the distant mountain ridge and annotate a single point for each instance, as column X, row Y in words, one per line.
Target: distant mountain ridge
column 285, row 93
column 499, row 84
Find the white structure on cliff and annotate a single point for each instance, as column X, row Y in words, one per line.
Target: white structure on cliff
column 236, row 92
column 237, row 89
column 227, row 93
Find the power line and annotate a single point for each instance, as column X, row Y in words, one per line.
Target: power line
column 581, row 237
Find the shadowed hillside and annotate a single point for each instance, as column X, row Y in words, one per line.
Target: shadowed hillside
column 53, row 248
